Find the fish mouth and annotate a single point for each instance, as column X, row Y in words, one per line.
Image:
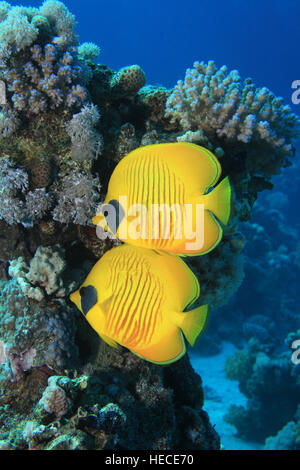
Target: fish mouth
column 75, row 298
column 100, row 221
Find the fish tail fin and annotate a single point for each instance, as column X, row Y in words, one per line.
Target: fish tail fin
column 218, row 201
column 192, row 323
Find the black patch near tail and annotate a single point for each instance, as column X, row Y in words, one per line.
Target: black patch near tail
column 89, row 298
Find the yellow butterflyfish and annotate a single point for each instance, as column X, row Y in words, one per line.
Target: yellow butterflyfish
column 160, row 197
column 136, row 298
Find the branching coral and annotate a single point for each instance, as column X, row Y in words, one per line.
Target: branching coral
column 17, row 204
column 40, row 71
column 252, row 127
column 87, row 143
column 48, row 80
column 215, row 101
column 77, row 198
column 88, row 51
column 9, row 123
column 16, row 30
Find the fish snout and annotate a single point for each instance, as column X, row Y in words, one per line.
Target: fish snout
column 101, row 222
column 76, row 299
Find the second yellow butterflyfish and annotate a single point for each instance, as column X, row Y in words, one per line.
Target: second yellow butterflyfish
column 136, row 298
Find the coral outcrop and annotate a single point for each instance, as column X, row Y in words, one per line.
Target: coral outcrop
column 270, row 383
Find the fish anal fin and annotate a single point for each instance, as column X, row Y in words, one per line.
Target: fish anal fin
column 192, row 323
column 110, row 341
column 167, row 350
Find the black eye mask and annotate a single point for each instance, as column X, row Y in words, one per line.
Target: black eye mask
column 114, row 214
column 89, row 298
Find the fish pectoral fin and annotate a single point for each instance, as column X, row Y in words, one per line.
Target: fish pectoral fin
column 104, row 305
column 218, row 201
column 110, row 341
column 192, row 323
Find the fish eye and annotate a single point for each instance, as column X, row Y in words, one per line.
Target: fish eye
column 105, row 210
column 114, row 214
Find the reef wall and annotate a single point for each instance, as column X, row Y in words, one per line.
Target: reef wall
column 67, row 122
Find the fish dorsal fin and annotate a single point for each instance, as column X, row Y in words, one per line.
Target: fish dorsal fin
column 192, row 323
column 184, row 156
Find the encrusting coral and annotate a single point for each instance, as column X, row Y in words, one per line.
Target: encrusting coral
column 128, row 80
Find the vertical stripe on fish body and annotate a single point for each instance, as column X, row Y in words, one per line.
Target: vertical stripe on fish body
column 154, row 186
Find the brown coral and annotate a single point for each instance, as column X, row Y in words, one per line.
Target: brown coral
column 128, row 80
column 55, row 400
column 41, row 174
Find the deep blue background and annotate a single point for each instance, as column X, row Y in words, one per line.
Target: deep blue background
column 260, row 38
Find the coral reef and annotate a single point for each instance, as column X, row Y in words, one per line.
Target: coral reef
column 77, row 195
column 128, row 80
column 39, row 70
column 66, row 122
column 270, row 383
column 88, row 51
column 286, row 439
column 33, row 334
column 14, row 209
column 271, row 258
column 86, row 142
column 252, row 126
column 131, row 405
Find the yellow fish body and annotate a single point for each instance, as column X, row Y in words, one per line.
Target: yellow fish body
column 136, row 297
column 159, row 195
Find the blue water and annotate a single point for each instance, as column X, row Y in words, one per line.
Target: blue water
column 259, row 38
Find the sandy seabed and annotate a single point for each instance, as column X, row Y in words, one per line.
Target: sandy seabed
column 220, row 393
